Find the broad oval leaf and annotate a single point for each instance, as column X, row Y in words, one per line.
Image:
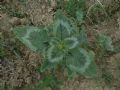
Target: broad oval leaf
column 91, row 71
column 71, row 42
column 33, row 37
column 80, row 60
column 62, row 27
column 54, row 54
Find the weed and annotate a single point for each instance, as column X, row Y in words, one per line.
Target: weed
column 63, row 44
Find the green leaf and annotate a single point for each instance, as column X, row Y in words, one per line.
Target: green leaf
column 80, row 61
column 33, row 37
column 71, row 42
column 105, row 42
column 91, row 71
column 82, row 38
column 46, row 65
column 62, row 27
column 54, row 54
column 80, row 16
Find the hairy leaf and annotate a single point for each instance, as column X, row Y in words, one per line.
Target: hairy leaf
column 92, row 69
column 54, row 54
column 33, row 37
column 80, row 60
column 62, row 27
column 71, row 42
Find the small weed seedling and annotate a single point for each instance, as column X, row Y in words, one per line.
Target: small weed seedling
column 63, row 44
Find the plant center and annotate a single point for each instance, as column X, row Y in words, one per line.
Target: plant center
column 61, row 45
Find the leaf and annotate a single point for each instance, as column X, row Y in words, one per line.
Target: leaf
column 82, row 37
column 80, row 61
column 105, row 42
column 71, row 42
column 54, row 54
column 80, row 16
column 62, row 27
column 46, row 65
column 33, row 37
column 92, row 69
